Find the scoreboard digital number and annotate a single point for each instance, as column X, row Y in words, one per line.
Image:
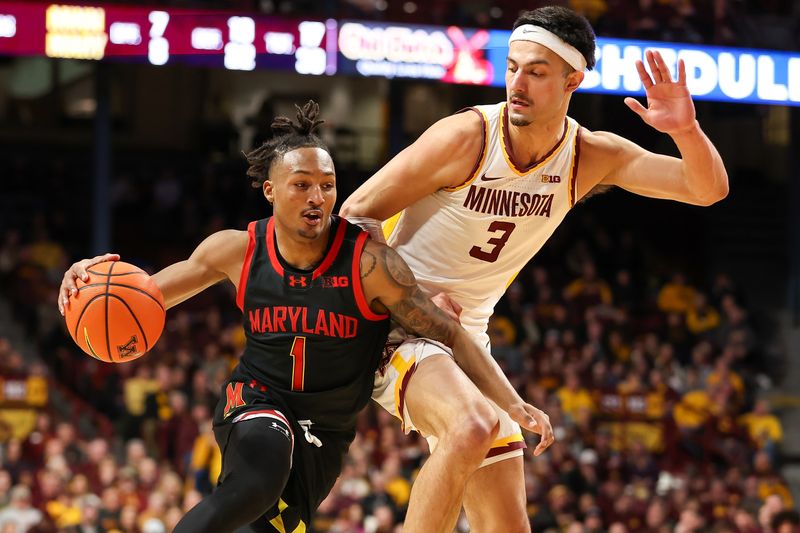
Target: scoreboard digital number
column 324, row 47
column 163, row 36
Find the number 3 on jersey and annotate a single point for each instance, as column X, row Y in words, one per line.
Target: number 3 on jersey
column 490, row 256
column 298, row 353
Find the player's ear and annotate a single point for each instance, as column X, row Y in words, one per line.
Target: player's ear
column 574, row 80
column 268, row 191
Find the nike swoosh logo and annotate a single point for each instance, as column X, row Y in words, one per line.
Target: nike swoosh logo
column 487, row 178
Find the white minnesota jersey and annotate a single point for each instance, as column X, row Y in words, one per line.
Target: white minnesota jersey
column 471, row 241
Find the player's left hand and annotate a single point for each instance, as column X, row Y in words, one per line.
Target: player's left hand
column 669, row 108
column 536, row 421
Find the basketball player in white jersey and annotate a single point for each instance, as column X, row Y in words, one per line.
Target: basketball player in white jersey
column 470, row 203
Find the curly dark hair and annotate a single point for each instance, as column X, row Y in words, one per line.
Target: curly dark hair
column 569, row 26
column 287, row 136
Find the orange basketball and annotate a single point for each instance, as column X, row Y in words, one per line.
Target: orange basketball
column 118, row 314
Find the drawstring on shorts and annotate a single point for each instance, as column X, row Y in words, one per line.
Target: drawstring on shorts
column 310, row 438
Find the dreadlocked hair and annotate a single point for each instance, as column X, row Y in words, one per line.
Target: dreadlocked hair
column 287, row 135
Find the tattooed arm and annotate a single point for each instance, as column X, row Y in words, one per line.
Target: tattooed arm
column 389, row 285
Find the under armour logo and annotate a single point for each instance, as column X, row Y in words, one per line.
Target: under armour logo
column 128, row 349
column 295, row 281
column 282, row 429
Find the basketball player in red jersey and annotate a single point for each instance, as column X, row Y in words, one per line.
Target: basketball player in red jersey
column 316, row 295
column 476, row 196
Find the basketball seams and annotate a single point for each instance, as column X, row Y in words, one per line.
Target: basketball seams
column 83, row 311
column 116, row 274
column 131, row 287
column 108, row 290
column 127, row 306
column 99, row 319
column 135, row 318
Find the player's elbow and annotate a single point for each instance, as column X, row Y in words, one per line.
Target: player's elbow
column 719, row 193
column 353, row 207
column 724, row 188
column 722, row 193
column 710, row 191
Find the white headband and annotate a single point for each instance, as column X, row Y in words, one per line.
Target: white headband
column 537, row 34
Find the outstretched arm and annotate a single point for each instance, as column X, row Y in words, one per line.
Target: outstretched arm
column 443, row 156
column 390, row 285
column 698, row 177
column 219, row 256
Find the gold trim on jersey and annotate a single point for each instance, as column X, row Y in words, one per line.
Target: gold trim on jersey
column 511, row 280
column 484, row 151
column 390, row 224
column 500, row 125
column 516, row 437
column 405, row 369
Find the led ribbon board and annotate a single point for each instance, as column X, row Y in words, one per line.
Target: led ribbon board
column 162, row 36
column 449, row 54
column 461, row 55
column 712, row 72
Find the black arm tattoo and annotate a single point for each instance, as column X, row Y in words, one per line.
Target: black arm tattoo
column 414, row 311
column 397, row 268
column 418, row 314
column 368, row 258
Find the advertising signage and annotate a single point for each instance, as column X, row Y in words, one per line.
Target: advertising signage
column 162, row 36
column 460, row 55
column 712, row 73
column 449, row 54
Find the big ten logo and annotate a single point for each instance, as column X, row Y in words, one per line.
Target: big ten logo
column 335, row 282
column 546, row 178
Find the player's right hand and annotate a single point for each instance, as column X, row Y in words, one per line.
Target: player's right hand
column 78, row 270
column 536, row 421
column 448, row 305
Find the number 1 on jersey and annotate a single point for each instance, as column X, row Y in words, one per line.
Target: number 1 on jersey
column 298, row 353
column 491, row 255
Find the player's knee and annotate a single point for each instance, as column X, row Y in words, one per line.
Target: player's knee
column 476, row 428
column 262, row 467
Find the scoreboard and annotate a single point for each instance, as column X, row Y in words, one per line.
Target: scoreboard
column 449, row 54
column 161, row 36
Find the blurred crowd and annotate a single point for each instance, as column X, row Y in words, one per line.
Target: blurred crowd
column 653, row 377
